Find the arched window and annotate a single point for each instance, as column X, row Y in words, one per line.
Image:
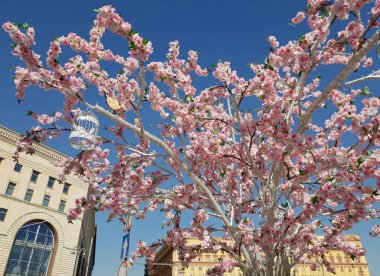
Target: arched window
column 31, row 250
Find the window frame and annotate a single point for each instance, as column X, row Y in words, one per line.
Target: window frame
column 34, row 176
column 27, row 193
column 46, row 198
column 38, row 240
column 17, row 167
column 64, row 205
column 66, row 188
column 3, row 213
column 52, row 181
column 10, row 183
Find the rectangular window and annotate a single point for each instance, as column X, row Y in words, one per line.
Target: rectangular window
column 34, row 176
column 51, row 182
column 17, row 167
column 66, row 188
column 1, row 159
column 3, row 213
column 62, row 205
column 46, row 201
column 28, row 195
column 10, row 188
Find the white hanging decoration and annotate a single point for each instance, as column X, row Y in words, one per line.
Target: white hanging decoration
column 84, row 133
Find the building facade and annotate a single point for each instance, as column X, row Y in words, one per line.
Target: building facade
column 167, row 263
column 35, row 236
column 344, row 265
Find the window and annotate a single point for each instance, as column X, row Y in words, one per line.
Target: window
column 360, row 269
column 28, row 195
column 46, row 201
column 31, row 250
column 10, row 188
column 50, row 183
column 3, row 213
column 341, row 269
column 66, row 188
column 1, row 159
column 62, row 205
column 17, row 167
column 34, row 176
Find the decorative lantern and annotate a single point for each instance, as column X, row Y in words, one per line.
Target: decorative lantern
column 84, row 131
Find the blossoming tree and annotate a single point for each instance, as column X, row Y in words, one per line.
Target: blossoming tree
column 272, row 176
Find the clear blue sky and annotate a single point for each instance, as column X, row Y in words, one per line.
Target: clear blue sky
column 235, row 31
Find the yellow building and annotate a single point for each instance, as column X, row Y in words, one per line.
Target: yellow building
column 35, row 236
column 167, row 263
column 343, row 264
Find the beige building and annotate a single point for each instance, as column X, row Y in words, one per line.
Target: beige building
column 35, row 236
column 343, row 264
column 167, row 263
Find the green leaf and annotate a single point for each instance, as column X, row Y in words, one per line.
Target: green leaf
column 23, row 25
column 285, row 205
column 29, row 113
column 78, row 65
column 222, row 143
column 330, row 179
column 132, row 45
column 301, row 39
column 301, row 172
column 213, row 65
column 189, row 99
column 13, row 45
column 249, row 110
column 164, row 78
column 319, row 77
column 135, row 166
column 359, row 161
column 132, row 32
column 314, row 199
column 324, row 11
column 145, row 41
column 365, row 92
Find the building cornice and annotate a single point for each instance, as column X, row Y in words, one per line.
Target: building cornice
column 11, row 137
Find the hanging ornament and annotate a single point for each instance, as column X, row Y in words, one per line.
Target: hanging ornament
column 113, row 103
column 84, row 133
